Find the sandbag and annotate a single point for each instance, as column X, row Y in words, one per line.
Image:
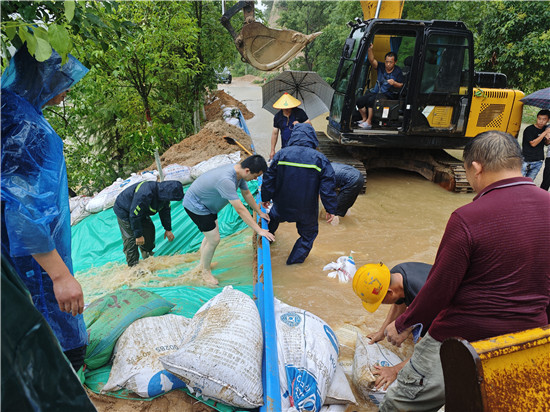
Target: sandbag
column 107, row 197
column 365, row 358
column 177, row 172
column 77, row 205
column 339, row 392
column 344, row 268
column 214, row 162
column 221, row 354
column 136, row 364
column 308, row 354
column 108, row 317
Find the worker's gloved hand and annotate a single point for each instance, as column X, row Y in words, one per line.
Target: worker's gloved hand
column 140, row 241
column 169, row 235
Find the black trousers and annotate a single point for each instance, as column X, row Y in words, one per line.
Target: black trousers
column 131, row 250
column 546, row 175
column 347, row 196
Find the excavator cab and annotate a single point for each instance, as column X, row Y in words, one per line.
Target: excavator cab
column 436, row 58
column 264, row 48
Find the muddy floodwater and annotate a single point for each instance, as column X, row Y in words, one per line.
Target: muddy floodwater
column 401, row 218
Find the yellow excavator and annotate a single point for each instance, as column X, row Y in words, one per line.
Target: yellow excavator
column 442, row 104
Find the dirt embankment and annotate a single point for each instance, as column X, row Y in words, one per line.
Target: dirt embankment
column 210, row 140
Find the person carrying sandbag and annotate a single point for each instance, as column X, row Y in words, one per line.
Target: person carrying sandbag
column 134, row 208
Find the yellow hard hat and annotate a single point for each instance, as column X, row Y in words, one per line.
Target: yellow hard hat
column 286, row 101
column 371, row 283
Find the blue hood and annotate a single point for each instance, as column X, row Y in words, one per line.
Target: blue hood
column 38, row 82
column 303, row 134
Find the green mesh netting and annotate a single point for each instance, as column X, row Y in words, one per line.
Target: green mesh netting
column 96, row 240
column 100, row 267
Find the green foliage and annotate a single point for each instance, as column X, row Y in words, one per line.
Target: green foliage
column 322, row 55
column 162, row 69
column 511, row 37
column 44, row 25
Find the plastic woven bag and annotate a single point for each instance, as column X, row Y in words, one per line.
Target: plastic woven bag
column 344, row 268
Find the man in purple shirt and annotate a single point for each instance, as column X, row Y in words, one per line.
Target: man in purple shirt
column 491, row 275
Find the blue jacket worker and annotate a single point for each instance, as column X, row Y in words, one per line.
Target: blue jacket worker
column 134, row 208
column 296, row 177
column 349, row 182
column 36, row 221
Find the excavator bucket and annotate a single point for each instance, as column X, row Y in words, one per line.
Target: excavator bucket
column 268, row 49
column 264, row 48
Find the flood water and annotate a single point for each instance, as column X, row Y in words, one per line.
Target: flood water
column 401, row 218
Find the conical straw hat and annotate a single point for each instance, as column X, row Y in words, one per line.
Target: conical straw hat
column 286, row 101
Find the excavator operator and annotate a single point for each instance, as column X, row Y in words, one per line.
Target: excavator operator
column 390, row 78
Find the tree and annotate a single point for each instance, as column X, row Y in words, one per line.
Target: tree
column 330, row 17
column 163, row 70
column 44, row 25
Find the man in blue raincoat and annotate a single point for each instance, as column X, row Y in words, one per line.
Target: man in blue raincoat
column 134, row 208
column 36, row 224
column 296, row 177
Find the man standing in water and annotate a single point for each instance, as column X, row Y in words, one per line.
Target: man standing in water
column 298, row 175
column 489, row 277
column 211, row 192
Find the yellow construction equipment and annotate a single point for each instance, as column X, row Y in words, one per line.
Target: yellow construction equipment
column 505, row 373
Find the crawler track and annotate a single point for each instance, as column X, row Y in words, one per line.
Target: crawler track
column 435, row 165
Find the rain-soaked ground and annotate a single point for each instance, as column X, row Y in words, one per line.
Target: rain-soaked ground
column 401, row 218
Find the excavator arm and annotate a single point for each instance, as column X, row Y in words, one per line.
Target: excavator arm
column 264, row 48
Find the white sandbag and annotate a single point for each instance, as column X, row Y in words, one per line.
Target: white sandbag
column 364, row 361
column 136, row 364
column 77, row 206
column 233, row 121
column 308, row 354
column 214, row 162
column 107, row 197
column 220, row 356
column 177, row 172
column 339, row 392
column 344, row 268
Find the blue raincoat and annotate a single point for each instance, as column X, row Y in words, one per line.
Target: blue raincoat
column 296, row 177
column 34, row 193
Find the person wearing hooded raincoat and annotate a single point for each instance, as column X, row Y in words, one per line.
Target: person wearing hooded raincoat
column 296, row 177
column 349, row 182
column 134, row 208
column 36, row 224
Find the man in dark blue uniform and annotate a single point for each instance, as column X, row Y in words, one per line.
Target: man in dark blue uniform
column 349, row 182
column 134, row 208
column 296, row 177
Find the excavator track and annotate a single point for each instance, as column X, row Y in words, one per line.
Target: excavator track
column 435, row 165
column 340, row 154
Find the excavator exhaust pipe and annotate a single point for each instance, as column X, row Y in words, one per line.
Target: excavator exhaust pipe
column 264, row 48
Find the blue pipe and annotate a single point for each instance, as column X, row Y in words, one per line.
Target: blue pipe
column 270, row 365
